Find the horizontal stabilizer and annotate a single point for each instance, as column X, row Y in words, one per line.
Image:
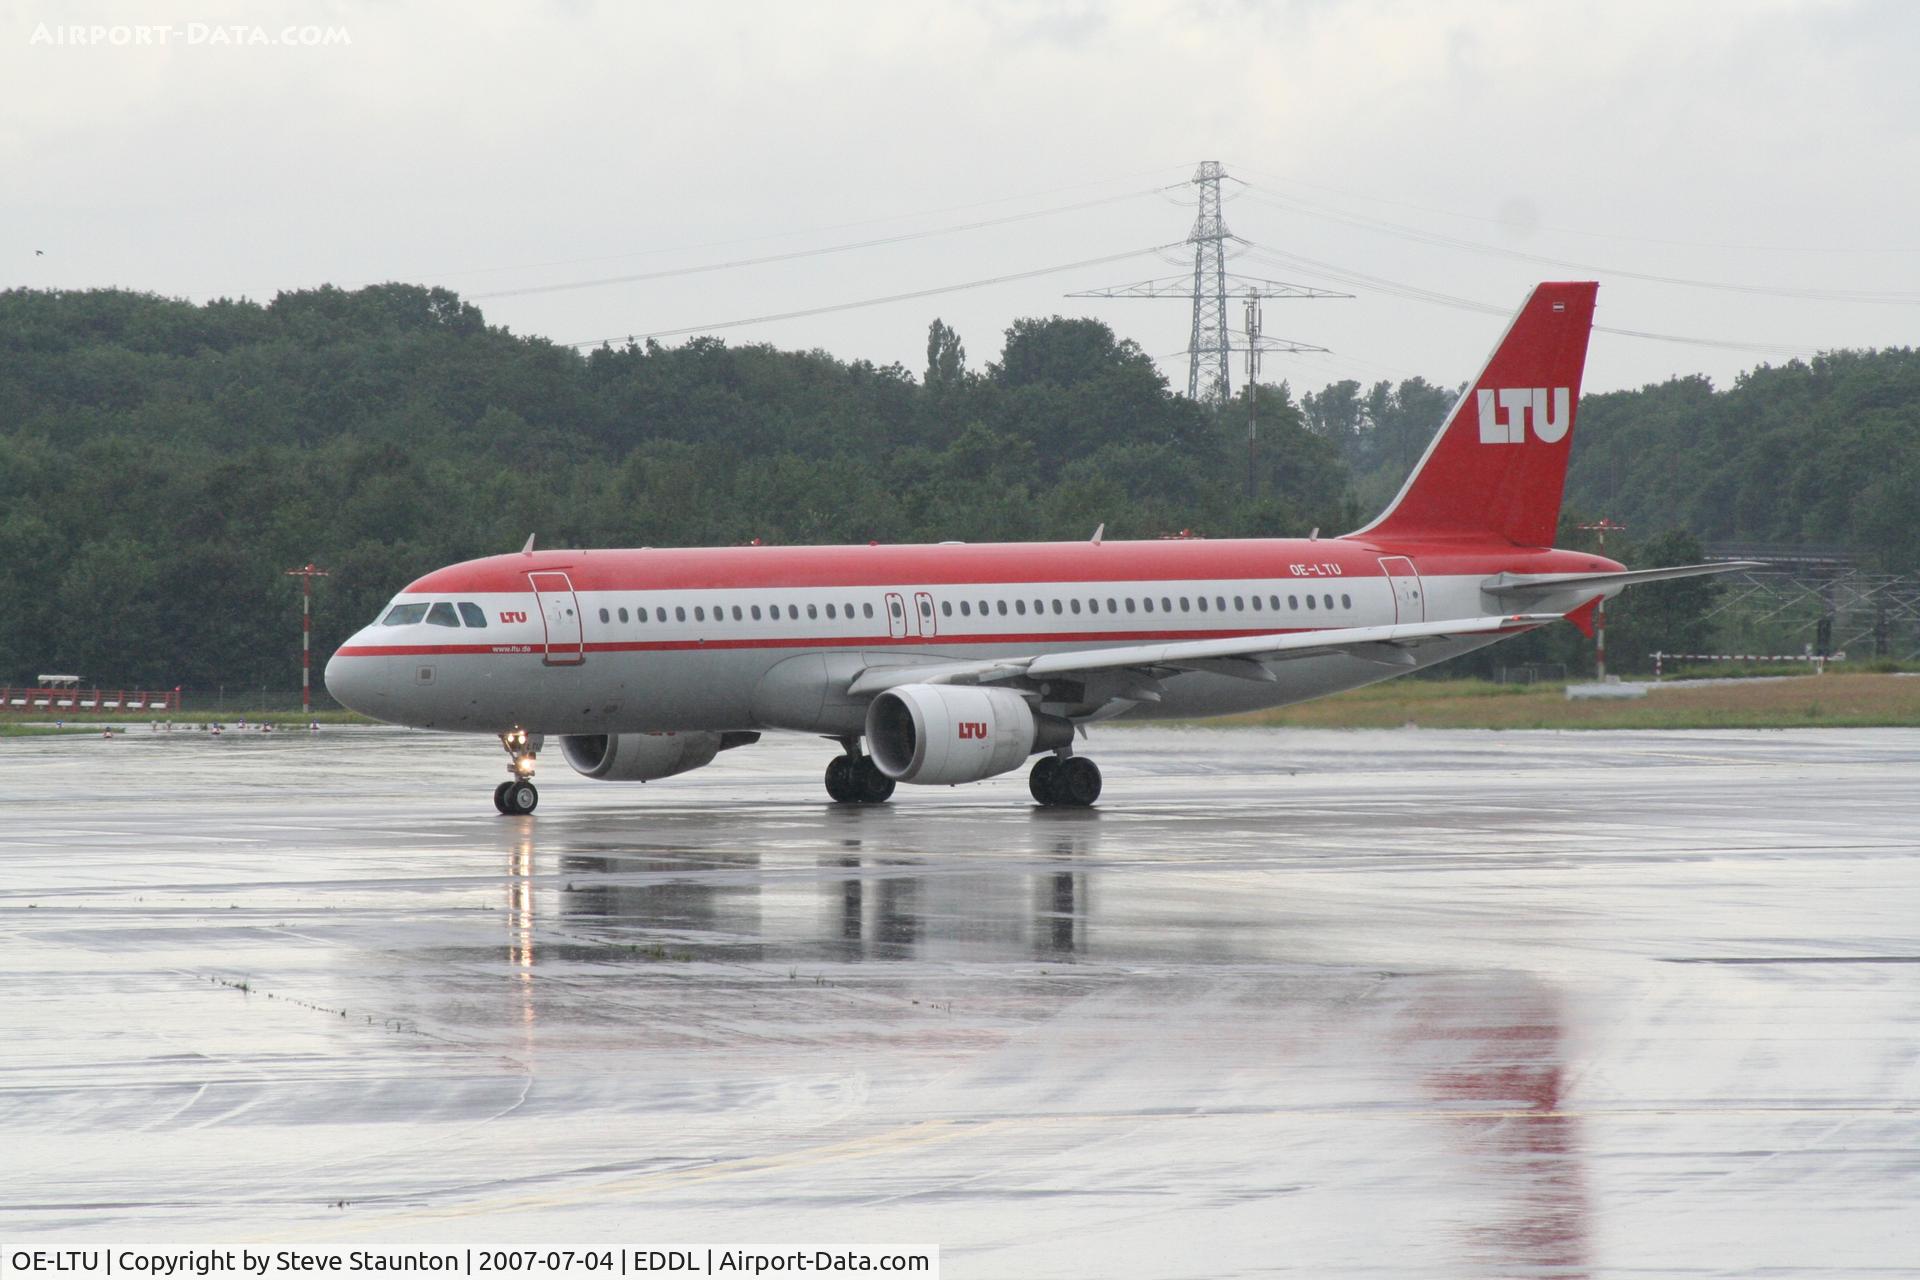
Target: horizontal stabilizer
column 1531, row 586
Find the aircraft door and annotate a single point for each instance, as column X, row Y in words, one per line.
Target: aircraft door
column 896, row 615
column 1409, row 600
column 923, row 608
column 560, row 615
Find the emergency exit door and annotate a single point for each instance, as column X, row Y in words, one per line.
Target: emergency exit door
column 560, row 615
column 1409, row 601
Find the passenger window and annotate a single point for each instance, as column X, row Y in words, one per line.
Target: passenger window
column 867, row 609
column 893, row 607
column 1329, row 599
column 622, row 614
column 1056, row 607
column 403, row 615
column 830, row 613
column 1166, row 604
column 813, row 612
column 605, row 616
column 946, row 608
column 699, row 613
column 1111, row 606
column 1309, row 602
column 793, row 613
column 1220, row 602
column 472, row 614
column 1203, row 603
column 1185, row 604
column 1146, row 603
column 441, row 615
column 679, row 613
column 1346, row 601
column 1003, row 608
column 1256, row 603
column 966, row 609
column 1020, row 607
column 1275, row 601
column 1075, row 605
column 640, row 614
column 1293, row 602
column 1129, row 604
column 1239, row 603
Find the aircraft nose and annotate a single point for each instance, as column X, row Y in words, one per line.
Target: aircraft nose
column 356, row 684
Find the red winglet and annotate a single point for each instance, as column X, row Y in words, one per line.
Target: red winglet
column 1583, row 616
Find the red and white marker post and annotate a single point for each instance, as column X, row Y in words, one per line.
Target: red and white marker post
column 306, row 573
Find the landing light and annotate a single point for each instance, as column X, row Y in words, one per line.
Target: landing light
column 523, row 764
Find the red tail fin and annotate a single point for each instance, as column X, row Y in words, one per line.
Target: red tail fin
column 1499, row 465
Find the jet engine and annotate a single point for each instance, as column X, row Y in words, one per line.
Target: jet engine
column 642, row 757
column 938, row 735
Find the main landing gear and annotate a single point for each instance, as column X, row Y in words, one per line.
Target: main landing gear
column 1072, row 782
column 856, row 779
column 517, row 794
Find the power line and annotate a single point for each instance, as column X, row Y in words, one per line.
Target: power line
column 1414, row 293
column 1512, row 224
column 902, row 237
column 872, row 302
column 1415, row 234
column 778, row 235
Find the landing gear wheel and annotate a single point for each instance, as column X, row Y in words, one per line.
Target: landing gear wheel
column 871, row 785
column 1079, row 782
column 500, row 796
column 840, row 780
column 519, row 797
column 1044, row 781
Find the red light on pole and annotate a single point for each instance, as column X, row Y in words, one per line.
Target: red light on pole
column 306, row 573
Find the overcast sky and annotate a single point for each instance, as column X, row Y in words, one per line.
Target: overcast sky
column 1768, row 146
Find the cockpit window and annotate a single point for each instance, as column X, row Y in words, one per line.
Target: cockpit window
column 441, row 615
column 403, row 615
column 474, row 616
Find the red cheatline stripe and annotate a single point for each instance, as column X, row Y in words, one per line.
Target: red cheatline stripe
column 804, row 642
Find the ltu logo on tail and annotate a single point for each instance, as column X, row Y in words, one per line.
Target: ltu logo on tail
column 1552, row 414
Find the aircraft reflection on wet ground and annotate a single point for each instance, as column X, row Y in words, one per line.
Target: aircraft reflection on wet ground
column 1433, row 1004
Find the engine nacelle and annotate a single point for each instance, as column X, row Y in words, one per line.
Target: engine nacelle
column 642, row 757
column 938, row 734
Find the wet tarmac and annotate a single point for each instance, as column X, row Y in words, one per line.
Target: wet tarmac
column 1407, row 1003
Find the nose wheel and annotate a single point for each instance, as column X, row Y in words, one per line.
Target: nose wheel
column 518, row 794
column 857, row 780
column 1072, row 783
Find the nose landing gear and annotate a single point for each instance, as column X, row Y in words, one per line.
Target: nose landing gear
column 518, row 794
column 1070, row 783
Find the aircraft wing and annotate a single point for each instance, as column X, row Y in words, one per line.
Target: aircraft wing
column 1242, row 656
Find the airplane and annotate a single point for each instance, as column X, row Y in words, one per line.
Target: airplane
column 952, row 663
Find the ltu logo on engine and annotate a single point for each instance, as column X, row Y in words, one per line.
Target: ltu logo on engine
column 972, row 729
column 1550, row 407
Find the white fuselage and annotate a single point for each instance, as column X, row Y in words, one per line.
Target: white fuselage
column 567, row 661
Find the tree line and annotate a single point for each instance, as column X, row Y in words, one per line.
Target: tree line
column 163, row 463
